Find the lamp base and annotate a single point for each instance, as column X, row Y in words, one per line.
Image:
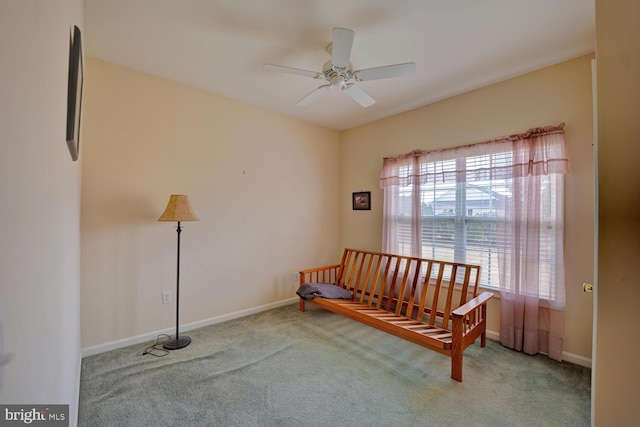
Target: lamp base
column 175, row 344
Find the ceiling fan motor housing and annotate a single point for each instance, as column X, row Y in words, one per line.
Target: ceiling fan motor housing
column 335, row 75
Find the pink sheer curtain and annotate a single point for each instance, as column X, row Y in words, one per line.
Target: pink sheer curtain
column 532, row 165
column 402, row 169
column 526, row 322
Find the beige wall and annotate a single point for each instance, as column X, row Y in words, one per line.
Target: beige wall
column 616, row 386
column 40, row 198
column 561, row 93
column 265, row 188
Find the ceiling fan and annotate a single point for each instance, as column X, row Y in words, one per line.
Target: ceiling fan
column 339, row 73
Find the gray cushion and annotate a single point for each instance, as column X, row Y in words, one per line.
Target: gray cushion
column 308, row 291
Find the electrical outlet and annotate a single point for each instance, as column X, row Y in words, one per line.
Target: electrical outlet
column 296, row 276
column 166, row 297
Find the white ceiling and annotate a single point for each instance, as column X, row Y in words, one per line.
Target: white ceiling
column 220, row 46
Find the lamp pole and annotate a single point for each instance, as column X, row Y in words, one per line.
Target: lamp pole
column 177, row 342
column 178, row 209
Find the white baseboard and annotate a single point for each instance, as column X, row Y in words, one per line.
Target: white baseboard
column 568, row 357
column 493, row 335
column 113, row 345
column 576, row 359
column 73, row 408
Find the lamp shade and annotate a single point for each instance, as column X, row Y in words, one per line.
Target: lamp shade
column 178, row 209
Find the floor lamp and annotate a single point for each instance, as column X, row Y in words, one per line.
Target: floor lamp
column 178, row 209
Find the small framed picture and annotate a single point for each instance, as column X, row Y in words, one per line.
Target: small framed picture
column 361, row 201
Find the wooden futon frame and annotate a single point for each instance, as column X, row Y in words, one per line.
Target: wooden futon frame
column 431, row 303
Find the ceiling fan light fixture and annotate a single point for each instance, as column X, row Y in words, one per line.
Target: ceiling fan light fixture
column 338, row 81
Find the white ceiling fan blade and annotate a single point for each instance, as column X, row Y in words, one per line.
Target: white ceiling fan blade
column 385, row 72
column 315, row 94
column 358, row 95
column 297, row 71
column 341, row 47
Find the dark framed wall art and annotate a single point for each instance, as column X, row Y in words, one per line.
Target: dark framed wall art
column 361, row 201
column 74, row 93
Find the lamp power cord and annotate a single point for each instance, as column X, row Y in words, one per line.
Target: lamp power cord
column 156, row 348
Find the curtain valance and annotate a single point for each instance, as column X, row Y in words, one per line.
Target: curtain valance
column 538, row 151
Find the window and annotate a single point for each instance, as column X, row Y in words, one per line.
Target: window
column 497, row 204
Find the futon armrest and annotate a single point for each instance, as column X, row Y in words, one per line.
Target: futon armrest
column 472, row 304
column 326, row 274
